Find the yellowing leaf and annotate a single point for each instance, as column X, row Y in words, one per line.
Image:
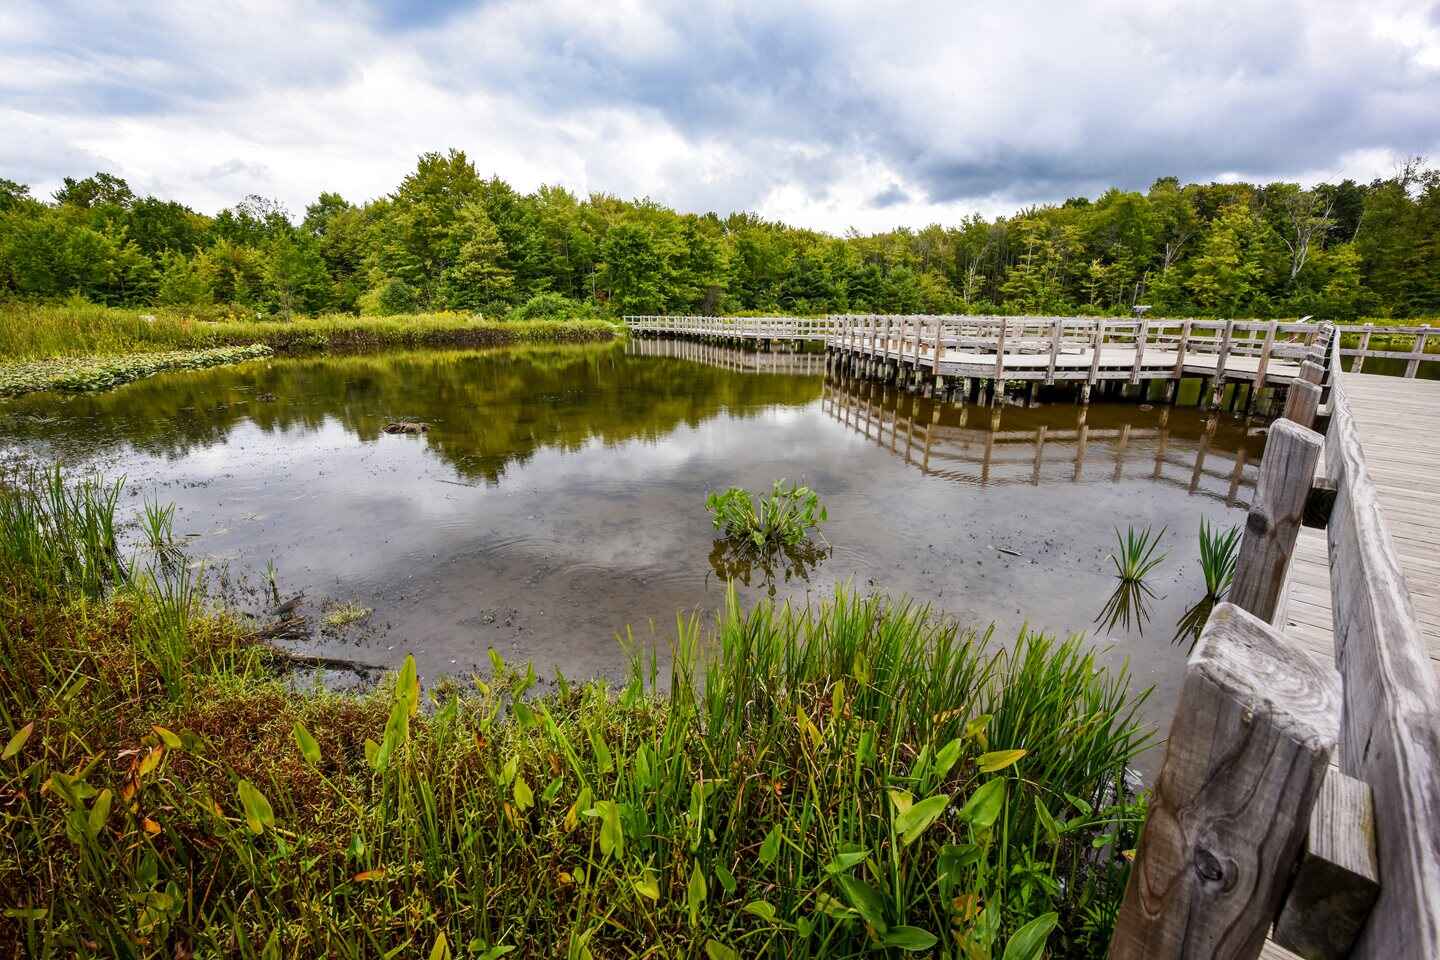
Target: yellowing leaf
column 524, row 796
column 169, row 739
column 441, row 950
column 901, row 800
column 309, row 749
column 152, row 760
column 998, row 759
column 258, row 812
column 17, row 742
column 151, row 827
column 370, row 875
column 647, row 887
column 917, row 819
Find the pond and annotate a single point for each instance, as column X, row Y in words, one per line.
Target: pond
column 558, row 497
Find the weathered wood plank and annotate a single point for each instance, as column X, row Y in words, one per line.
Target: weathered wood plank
column 1253, row 734
column 1338, row 878
column 1390, row 733
column 1286, row 470
column 1302, row 400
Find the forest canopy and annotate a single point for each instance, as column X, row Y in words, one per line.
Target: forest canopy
column 449, row 239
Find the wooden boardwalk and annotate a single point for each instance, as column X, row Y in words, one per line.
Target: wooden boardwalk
column 1399, row 422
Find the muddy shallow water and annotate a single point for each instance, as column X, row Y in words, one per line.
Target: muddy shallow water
column 558, row 496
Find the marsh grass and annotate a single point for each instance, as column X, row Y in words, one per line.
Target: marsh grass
column 79, row 329
column 1218, row 552
column 1133, row 560
column 858, row 778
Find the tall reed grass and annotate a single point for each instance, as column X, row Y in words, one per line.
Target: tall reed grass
column 863, row 777
column 42, row 331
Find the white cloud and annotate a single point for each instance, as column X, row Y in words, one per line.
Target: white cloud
column 829, row 115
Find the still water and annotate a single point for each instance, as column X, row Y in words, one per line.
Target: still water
column 558, row 497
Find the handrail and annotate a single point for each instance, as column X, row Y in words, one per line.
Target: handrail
column 1390, row 726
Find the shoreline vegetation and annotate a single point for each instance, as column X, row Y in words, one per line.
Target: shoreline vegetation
column 77, row 347
column 863, row 777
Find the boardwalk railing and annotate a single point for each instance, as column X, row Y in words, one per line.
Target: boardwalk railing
column 1247, row 826
column 916, row 340
column 1359, row 341
column 738, row 328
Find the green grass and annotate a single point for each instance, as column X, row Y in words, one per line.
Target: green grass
column 859, row 778
column 43, row 331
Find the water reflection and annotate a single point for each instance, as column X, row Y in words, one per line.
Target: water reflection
column 1000, row 445
column 559, row 495
column 736, row 560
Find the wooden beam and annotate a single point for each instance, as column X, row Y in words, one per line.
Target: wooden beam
column 1286, row 471
column 1253, row 733
column 1390, row 733
column 1302, row 399
column 1338, row 879
column 1095, row 351
column 1139, row 350
column 1264, row 361
column 1312, row 372
column 1412, row 368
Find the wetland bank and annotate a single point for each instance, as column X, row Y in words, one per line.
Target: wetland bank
column 795, row 766
column 557, row 498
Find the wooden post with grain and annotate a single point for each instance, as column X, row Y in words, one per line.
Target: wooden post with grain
column 1253, row 734
column 1286, row 472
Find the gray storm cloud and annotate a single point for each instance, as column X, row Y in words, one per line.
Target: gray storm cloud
column 901, row 109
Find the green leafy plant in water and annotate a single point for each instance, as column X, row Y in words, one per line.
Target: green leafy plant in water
column 1218, row 552
column 784, row 516
column 1133, row 562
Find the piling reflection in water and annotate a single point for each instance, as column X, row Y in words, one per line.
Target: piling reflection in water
column 1209, row 456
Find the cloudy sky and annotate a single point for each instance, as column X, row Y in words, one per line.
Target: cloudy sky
column 830, row 114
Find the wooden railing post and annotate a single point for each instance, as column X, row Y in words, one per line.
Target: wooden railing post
column 1287, row 471
column 1254, row 730
column 1302, row 399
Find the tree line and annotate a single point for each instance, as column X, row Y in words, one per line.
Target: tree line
column 449, row 239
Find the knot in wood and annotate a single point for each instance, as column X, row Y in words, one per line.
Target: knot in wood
column 1256, row 523
column 1208, row 866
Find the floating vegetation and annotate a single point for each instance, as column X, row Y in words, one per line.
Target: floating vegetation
column 1218, row 552
column 79, row 374
column 855, row 779
column 342, row 615
column 1133, row 562
column 784, row 516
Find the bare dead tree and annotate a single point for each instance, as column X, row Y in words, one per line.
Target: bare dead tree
column 1306, row 220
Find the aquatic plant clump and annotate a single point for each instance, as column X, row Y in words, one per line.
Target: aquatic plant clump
column 1133, row 561
column 828, row 782
column 783, row 517
column 80, row 374
column 1218, row 553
